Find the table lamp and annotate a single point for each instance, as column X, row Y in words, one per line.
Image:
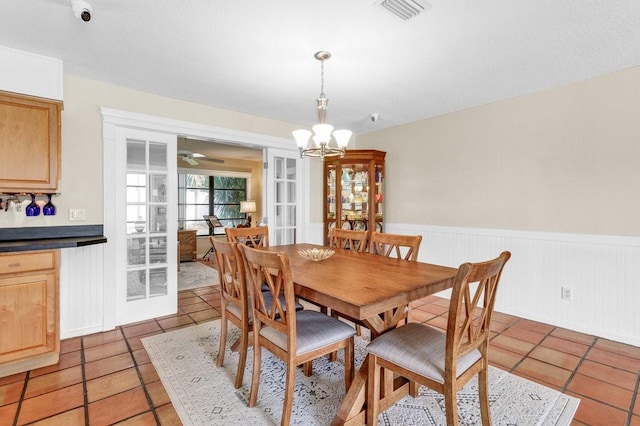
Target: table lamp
column 248, row 207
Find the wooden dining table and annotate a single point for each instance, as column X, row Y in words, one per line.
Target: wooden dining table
column 373, row 289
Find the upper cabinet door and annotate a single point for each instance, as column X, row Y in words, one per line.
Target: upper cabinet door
column 30, row 143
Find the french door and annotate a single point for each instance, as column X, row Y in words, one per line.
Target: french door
column 146, row 225
column 284, row 194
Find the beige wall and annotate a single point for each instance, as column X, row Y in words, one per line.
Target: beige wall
column 561, row 160
column 81, row 183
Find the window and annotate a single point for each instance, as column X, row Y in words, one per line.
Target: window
column 200, row 195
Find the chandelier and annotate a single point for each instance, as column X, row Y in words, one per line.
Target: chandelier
column 322, row 132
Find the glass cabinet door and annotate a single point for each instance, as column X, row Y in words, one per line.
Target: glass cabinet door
column 354, row 191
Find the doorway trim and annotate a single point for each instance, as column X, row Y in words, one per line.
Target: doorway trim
column 113, row 119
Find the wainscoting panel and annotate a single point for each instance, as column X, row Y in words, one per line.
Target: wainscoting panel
column 602, row 272
column 81, row 290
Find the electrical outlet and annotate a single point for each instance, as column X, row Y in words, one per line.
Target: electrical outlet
column 77, row 214
column 566, row 293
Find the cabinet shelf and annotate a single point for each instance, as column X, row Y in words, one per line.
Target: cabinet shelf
column 351, row 177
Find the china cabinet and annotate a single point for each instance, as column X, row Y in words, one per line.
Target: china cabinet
column 354, row 191
column 30, row 142
column 29, row 285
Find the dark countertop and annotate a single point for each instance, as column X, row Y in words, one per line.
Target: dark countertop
column 50, row 237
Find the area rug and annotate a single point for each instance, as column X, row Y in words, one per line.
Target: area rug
column 195, row 275
column 203, row 394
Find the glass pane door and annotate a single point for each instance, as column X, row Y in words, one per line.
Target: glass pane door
column 148, row 229
column 283, row 194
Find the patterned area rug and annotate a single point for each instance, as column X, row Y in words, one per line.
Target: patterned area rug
column 195, row 274
column 203, row 394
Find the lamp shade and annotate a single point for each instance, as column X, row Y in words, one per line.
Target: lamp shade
column 247, row 206
column 302, row 137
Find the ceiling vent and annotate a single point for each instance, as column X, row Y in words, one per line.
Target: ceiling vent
column 405, row 9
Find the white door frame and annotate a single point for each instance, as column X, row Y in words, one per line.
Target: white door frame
column 113, row 119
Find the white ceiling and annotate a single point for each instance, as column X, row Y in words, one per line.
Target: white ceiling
column 257, row 56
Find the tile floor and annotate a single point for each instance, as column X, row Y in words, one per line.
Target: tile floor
column 107, row 378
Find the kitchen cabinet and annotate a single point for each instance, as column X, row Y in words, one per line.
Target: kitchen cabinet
column 187, row 242
column 29, row 310
column 30, row 140
column 354, row 191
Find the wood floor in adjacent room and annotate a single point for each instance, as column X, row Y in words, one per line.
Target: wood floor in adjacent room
column 107, row 378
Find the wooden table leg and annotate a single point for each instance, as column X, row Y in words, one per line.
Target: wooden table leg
column 353, row 410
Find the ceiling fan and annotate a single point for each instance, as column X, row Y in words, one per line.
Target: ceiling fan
column 190, row 157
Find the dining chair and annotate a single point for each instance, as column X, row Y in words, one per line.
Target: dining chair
column 395, row 245
column 348, row 239
column 255, row 236
column 294, row 337
column 442, row 361
column 235, row 306
column 234, row 300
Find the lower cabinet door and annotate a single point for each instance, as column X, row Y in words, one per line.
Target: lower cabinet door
column 29, row 319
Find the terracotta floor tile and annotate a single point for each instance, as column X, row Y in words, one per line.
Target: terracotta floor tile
column 195, row 307
column 608, row 374
column 537, row 380
column 567, row 346
column 601, row 391
column 53, row 381
column 102, row 338
column 158, row 394
column 148, row 373
column 112, row 384
column 135, row 343
column 614, row 360
column 143, row 419
column 11, row 392
column 67, row 360
column 574, row 336
column 8, row 414
column 141, row 356
column 524, row 335
column 105, row 350
column 19, row 377
column 204, row 316
column 547, row 373
column 129, row 403
column 418, row 315
column 595, row 413
column 168, row 416
column 51, row 403
column 70, row 345
column 504, row 318
column 538, row 327
column 438, row 322
column 141, row 328
column 106, row 366
column 71, row 417
column 618, row 348
column 175, row 321
column 498, row 327
column 119, row 371
column 186, row 301
column 513, row 345
column 434, row 309
column 551, row 356
column 503, row 358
